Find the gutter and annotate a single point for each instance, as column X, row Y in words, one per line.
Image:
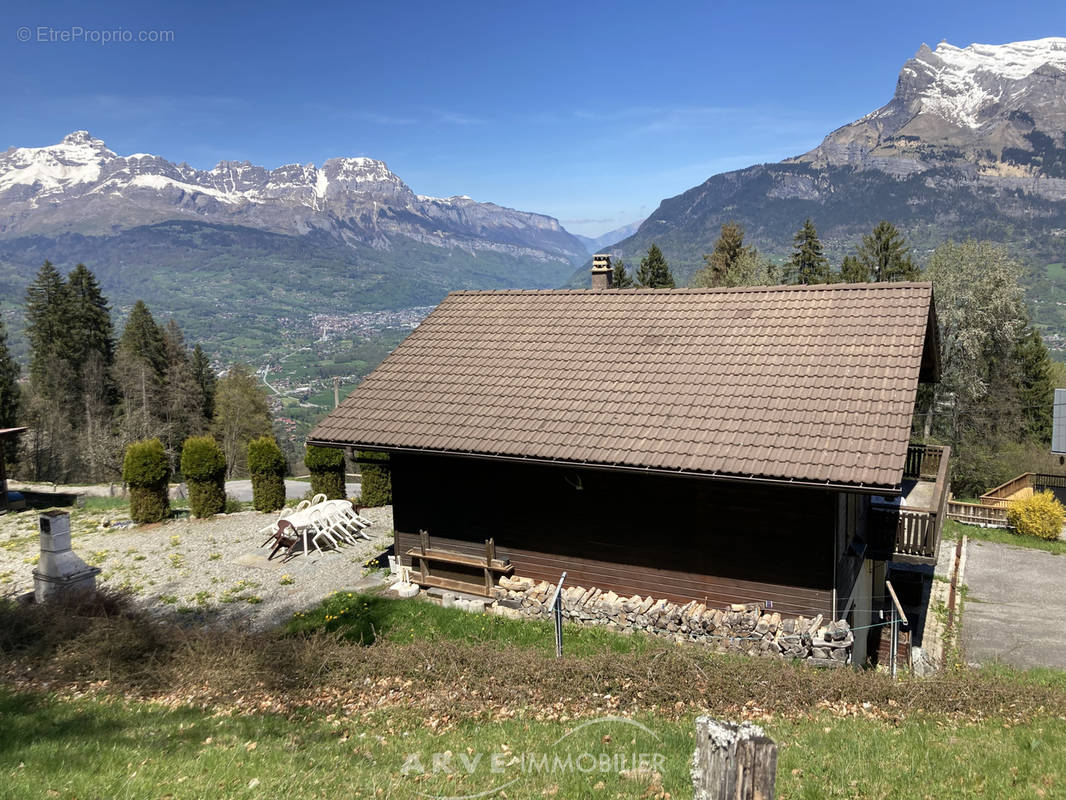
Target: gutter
column 884, row 491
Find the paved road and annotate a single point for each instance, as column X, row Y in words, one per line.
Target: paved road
column 1015, row 608
column 242, row 490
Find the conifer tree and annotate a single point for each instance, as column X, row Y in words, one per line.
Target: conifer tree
column 182, row 402
column 621, row 279
column 1036, row 388
column 92, row 357
column 205, row 378
column 140, row 366
column 808, row 263
column 724, row 259
column 89, row 319
column 47, row 313
column 51, row 407
column 886, row 256
column 853, row 271
column 143, row 338
column 654, row 272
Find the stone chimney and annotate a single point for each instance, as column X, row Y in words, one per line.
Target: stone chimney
column 59, row 570
column 602, row 272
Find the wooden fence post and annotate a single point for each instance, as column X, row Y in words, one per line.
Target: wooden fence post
column 733, row 762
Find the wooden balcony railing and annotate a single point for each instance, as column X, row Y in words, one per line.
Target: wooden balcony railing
column 913, row 533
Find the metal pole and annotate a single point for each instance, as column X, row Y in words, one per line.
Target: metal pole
column 895, row 639
column 557, row 610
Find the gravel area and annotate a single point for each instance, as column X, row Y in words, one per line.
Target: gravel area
column 210, row 570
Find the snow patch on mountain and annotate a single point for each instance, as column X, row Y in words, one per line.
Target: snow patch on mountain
column 79, row 185
column 961, row 82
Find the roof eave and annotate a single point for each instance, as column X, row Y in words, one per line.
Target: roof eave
column 883, row 491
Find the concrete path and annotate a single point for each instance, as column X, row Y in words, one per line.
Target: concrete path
column 242, row 490
column 1015, row 609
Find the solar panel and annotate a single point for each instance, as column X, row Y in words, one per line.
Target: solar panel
column 1058, row 430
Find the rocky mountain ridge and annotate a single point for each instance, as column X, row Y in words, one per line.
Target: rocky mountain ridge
column 81, row 186
column 971, row 144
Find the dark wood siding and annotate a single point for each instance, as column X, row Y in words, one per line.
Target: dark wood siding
column 678, row 538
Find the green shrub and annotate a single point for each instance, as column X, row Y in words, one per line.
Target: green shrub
column 147, row 471
column 267, row 467
column 1041, row 516
column 204, row 468
column 376, row 479
column 326, row 465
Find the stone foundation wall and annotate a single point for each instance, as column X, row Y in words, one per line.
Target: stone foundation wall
column 746, row 628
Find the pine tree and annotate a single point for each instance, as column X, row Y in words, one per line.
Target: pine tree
column 724, row 260
column 1036, row 389
column 654, row 272
column 51, row 406
column 47, row 314
column 205, row 378
column 886, row 256
column 182, row 399
column 140, row 367
column 143, row 338
column 621, row 279
column 853, row 271
column 92, row 357
column 89, row 318
column 809, row 264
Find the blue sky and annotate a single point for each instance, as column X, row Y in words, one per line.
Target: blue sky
column 589, row 111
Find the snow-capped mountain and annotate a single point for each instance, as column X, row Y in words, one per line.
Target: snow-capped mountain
column 972, row 143
column 991, row 105
column 80, row 186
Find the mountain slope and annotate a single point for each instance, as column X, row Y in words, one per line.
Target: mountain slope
column 80, row 186
column 973, row 143
column 243, row 242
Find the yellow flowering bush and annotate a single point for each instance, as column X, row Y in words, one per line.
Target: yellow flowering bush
column 1040, row 515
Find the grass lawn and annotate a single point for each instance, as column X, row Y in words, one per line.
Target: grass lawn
column 366, row 618
column 445, row 703
column 78, row 748
column 954, row 529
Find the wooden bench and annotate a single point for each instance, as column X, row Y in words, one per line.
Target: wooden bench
column 491, row 566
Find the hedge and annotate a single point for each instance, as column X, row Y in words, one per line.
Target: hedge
column 147, row 471
column 267, row 467
column 376, row 479
column 326, row 465
column 203, row 466
column 1041, row 516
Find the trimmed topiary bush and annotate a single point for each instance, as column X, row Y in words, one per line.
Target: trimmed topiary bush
column 1040, row 515
column 204, row 468
column 147, row 471
column 327, row 471
column 376, row 479
column 267, row 467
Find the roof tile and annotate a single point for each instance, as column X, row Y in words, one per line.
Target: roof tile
column 811, row 384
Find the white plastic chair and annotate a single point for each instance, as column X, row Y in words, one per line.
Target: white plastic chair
column 320, row 522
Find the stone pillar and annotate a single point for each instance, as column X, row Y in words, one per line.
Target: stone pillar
column 59, row 569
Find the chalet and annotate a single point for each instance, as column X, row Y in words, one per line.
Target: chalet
column 718, row 445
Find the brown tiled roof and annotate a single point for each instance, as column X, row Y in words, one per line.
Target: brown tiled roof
column 812, row 384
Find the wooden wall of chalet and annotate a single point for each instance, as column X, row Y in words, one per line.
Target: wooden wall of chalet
column 677, row 538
